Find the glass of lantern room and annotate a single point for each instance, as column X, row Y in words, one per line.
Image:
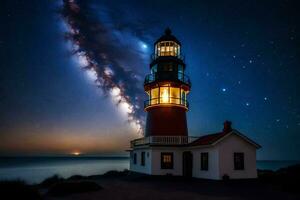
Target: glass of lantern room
column 167, row 94
column 167, row 48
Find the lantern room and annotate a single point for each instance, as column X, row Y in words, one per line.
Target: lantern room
column 167, row 94
column 167, row 84
column 167, row 48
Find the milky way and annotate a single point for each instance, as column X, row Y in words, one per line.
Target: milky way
column 101, row 55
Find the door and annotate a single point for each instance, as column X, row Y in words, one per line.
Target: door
column 187, row 162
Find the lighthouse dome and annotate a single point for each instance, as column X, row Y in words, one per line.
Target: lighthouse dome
column 168, row 37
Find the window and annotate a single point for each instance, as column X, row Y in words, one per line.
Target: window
column 166, row 161
column 143, row 158
column 183, row 97
column 204, row 161
column 154, row 69
column 175, row 95
column 167, row 48
column 238, row 161
column 180, row 69
column 134, row 158
column 154, row 96
column 164, row 94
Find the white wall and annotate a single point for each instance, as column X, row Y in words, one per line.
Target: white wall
column 177, row 161
column 146, row 169
column 227, row 147
column 213, row 163
column 220, row 160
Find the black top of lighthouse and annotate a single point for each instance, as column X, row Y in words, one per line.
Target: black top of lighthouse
column 168, row 37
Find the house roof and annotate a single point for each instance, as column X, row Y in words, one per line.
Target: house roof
column 213, row 139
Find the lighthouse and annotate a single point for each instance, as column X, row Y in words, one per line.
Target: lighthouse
column 167, row 148
column 167, row 87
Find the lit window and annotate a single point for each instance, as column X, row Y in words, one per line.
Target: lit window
column 175, row 95
column 167, row 95
column 167, row 48
column 163, row 49
column 164, row 94
column 154, row 96
column 166, row 161
column 172, row 52
column 183, row 97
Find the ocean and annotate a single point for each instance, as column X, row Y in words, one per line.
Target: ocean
column 35, row 169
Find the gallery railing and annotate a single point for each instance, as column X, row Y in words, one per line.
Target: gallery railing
column 167, row 54
column 168, row 76
column 166, row 101
column 163, row 140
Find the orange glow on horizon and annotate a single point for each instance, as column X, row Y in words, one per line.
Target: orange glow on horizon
column 62, row 141
column 76, row 153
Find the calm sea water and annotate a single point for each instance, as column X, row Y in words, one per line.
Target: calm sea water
column 36, row 169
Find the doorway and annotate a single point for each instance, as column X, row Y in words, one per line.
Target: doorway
column 187, row 164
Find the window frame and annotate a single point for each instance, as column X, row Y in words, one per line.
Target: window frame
column 164, row 165
column 134, row 158
column 143, row 158
column 239, row 164
column 204, row 165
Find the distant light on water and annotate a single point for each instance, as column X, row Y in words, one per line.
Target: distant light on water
column 76, row 153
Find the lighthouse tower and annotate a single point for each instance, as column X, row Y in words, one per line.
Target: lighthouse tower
column 167, row 87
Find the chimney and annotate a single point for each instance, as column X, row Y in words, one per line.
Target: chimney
column 227, row 127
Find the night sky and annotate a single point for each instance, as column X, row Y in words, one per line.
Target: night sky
column 71, row 73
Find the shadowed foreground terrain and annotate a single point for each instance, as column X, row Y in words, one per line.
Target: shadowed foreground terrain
column 281, row 184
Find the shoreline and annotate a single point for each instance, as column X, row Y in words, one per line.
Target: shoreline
column 281, row 184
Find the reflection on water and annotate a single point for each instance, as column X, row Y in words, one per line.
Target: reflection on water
column 35, row 170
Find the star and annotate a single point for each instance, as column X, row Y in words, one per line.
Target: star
column 265, row 98
column 277, row 120
column 247, row 104
column 224, row 89
column 250, row 61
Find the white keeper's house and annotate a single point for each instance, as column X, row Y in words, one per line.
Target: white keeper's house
column 166, row 148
